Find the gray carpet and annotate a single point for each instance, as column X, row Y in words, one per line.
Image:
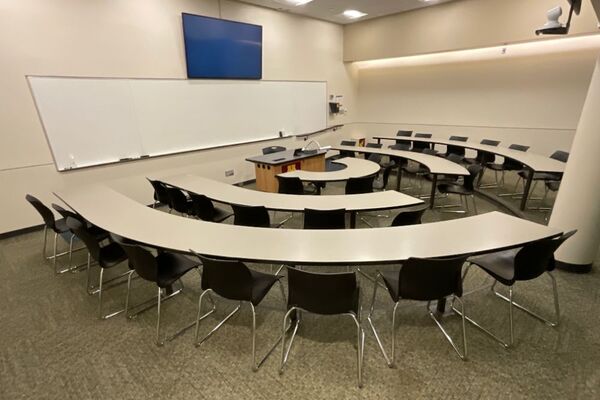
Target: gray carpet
column 54, row 347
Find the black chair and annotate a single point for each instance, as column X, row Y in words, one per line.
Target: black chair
column 179, row 202
column 256, row 216
column 233, row 280
column 418, row 170
column 324, row 294
column 99, row 233
column 522, row 264
column 292, row 185
column 59, row 227
column 360, row 185
column 422, row 280
column 107, row 256
column 345, row 153
column 465, row 191
column 402, row 133
column 324, row 219
column 203, row 208
column 458, row 150
column 161, row 195
column 273, row 149
column 164, row 270
column 484, row 157
column 420, row 146
column 507, row 165
column 410, row 217
column 558, row 155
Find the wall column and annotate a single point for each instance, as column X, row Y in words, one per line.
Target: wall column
column 577, row 204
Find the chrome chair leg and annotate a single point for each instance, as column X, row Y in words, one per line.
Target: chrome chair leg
column 200, row 317
column 389, row 361
column 256, row 365
column 100, row 315
column 462, row 355
column 474, row 204
column 285, row 353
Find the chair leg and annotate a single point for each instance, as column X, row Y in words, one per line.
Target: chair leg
column 285, row 353
column 100, row 315
column 159, row 342
column 474, row 204
column 390, row 361
column 54, row 255
column 360, row 341
column 45, row 243
column 200, row 317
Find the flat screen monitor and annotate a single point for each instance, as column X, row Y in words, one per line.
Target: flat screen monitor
column 220, row 49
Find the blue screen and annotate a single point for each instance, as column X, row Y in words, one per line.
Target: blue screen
column 220, row 49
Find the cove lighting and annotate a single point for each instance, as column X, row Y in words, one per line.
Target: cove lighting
column 353, row 14
column 538, row 47
column 298, row 2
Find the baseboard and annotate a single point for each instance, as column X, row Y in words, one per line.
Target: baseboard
column 574, row 268
column 21, row 231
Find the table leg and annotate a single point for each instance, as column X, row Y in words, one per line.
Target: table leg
column 433, row 190
column 378, row 140
column 352, row 219
column 399, row 179
column 526, row 190
column 441, row 306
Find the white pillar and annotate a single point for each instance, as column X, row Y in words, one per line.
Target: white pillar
column 577, row 204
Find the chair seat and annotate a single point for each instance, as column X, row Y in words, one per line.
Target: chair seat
column 261, row 285
column 501, row 265
column 171, row 267
column 495, row 166
column 553, row 185
column 61, row 226
column 221, row 215
column 453, row 189
column 539, row 176
column 99, row 233
column 391, row 280
column 111, row 255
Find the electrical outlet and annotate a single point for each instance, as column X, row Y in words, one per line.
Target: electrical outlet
column 229, row 172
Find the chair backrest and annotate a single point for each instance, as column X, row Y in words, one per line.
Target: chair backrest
column 256, row 216
column 430, row 279
column 456, row 158
column 420, row 146
column 344, row 153
column 273, row 149
column 376, row 158
column 404, row 133
column 66, row 213
column 202, row 207
column 538, row 257
column 375, row 145
column 44, row 211
column 290, row 185
column 400, row 146
column 469, row 180
column 483, row 157
column 324, row 219
column 560, row 155
column 160, row 192
column 410, row 217
column 178, row 200
column 429, row 151
column 360, row 185
column 518, row 147
column 230, row 279
column 457, row 149
column 81, row 231
column 323, row 293
column 140, row 259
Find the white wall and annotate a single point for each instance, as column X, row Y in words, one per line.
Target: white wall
column 533, row 100
column 133, row 38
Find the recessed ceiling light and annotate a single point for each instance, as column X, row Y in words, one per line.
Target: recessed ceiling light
column 353, row 14
column 298, row 2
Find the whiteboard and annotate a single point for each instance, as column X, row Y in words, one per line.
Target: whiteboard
column 92, row 121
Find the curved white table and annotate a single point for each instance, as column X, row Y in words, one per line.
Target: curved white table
column 355, row 168
column 231, row 194
column 119, row 214
column 435, row 165
column 533, row 162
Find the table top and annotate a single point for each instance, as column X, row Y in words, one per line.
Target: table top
column 536, row 162
column 121, row 215
column 436, row 165
column 355, row 168
column 231, row 194
column 283, row 157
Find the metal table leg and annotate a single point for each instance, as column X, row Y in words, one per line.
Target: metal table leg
column 433, row 189
column 526, row 189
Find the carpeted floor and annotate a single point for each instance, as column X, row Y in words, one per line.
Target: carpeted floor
column 52, row 346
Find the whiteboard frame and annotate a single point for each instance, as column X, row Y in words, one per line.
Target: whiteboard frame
column 165, row 154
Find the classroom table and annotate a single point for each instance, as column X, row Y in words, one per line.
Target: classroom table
column 535, row 163
column 231, row 194
column 355, row 168
column 435, row 165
